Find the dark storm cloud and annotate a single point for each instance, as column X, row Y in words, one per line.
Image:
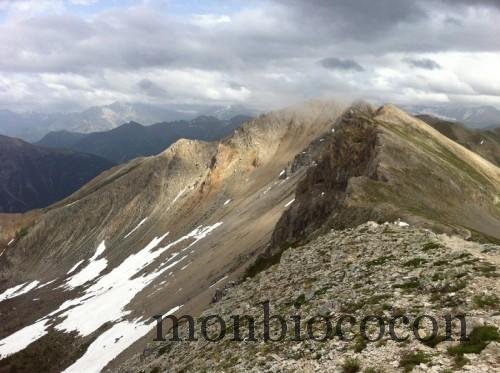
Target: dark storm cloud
column 151, row 88
column 333, row 63
column 357, row 20
column 422, row 63
column 379, row 27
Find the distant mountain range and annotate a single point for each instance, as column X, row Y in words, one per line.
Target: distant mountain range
column 132, row 139
column 33, row 126
column 32, row 176
column 475, row 117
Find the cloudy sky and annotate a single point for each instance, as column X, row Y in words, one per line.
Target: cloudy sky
column 69, row 54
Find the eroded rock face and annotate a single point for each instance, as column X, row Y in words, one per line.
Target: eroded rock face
column 382, row 270
column 348, row 152
column 383, row 164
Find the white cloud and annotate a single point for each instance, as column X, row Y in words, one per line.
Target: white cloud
column 265, row 54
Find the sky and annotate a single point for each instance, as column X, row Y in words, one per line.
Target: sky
column 67, row 54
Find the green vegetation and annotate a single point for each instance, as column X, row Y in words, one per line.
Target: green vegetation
column 478, row 340
column 262, row 263
column 450, row 288
column 431, row 246
column 351, row 365
column 410, row 360
column 301, row 299
column 376, row 299
column 359, row 344
column 487, row 270
column 21, row 233
column 434, row 341
column 460, row 361
column 373, row 370
column 440, row 262
column 379, row 261
column 415, row 262
column 486, row 301
column 464, row 255
column 438, row 276
column 413, row 284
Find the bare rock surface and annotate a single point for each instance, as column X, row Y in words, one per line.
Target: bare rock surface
column 384, row 270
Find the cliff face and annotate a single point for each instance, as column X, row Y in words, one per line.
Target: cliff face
column 383, row 165
column 348, row 152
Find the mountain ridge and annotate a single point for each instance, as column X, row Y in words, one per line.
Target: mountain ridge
column 35, row 177
column 132, row 139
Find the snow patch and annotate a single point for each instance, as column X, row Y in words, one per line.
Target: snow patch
column 106, row 301
column 74, row 267
column 90, row 271
column 22, row 338
column 178, row 195
column 18, row 290
column 290, row 202
column 136, row 227
column 216, row 282
column 47, row 283
column 401, row 223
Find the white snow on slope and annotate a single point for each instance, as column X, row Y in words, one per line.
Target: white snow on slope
column 401, row 223
column 18, row 290
column 290, row 202
column 178, row 195
column 90, row 271
column 216, row 282
column 136, row 228
column 110, row 344
column 74, row 267
column 47, row 283
column 106, row 301
column 22, row 338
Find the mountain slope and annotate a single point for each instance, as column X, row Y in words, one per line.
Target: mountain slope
column 60, row 139
column 346, row 273
column 218, row 202
column 158, row 234
column 486, row 143
column 33, row 177
column 132, row 140
column 474, row 117
column 374, row 169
